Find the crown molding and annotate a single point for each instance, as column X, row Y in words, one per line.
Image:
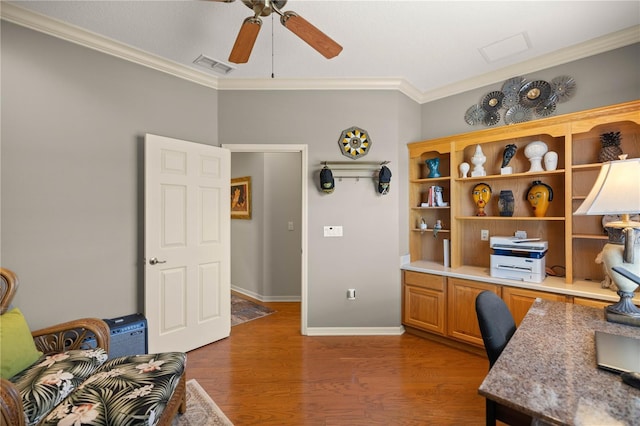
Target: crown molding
column 592, row 47
column 53, row 27
column 320, row 84
column 71, row 33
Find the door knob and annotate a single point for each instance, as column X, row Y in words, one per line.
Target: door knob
column 155, row 261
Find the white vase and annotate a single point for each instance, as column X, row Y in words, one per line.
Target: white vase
column 551, row 160
column 535, row 151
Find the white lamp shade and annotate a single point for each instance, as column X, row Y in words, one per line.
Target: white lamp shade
column 616, row 190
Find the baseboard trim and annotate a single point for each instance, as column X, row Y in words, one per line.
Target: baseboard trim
column 262, row 298
column 355, row 331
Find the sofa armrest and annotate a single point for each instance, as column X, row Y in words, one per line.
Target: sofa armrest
column 11, row 412
column 72, row 335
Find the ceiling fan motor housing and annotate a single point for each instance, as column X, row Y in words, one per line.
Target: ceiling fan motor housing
column 264, row 7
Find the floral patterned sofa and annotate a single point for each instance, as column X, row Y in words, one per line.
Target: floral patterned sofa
column 52, row 377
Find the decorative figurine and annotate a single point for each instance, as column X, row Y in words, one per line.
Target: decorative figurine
column 423, row 224
column 478, row 161
column 437, row 227
column 438, row 199
column 551, row 160
column 610, row 149
column 507, row 155
column 464, row 169
column 434, row 164
column 534, row 152
column 506, row 203
column 481, row 195
column 539, row 196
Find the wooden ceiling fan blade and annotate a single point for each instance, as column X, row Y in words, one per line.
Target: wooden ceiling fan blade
column 245, row 40
column 310, row 34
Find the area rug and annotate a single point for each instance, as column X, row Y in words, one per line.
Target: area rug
column 243, row 310
column 201, row 410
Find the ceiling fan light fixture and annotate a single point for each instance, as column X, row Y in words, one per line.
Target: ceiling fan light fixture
column 214, row 65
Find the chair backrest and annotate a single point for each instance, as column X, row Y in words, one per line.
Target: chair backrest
column 8, row 287
column 496, row 324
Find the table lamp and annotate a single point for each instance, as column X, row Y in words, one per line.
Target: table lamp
column 617, row 192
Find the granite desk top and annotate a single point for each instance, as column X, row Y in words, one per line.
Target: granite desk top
column 548, row 369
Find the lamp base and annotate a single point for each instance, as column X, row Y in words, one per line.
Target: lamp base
column 623, row 312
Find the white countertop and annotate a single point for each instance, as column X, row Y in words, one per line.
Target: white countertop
column 579, row 288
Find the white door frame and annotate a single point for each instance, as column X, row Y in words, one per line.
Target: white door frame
column 303, row 150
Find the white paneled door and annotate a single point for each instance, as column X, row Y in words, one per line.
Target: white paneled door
column 187, row 244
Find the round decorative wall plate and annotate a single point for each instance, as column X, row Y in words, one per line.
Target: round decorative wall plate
column 492, row 101
column 534, row 93
column 354, row 143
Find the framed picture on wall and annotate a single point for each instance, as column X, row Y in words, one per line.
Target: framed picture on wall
column 241, row 198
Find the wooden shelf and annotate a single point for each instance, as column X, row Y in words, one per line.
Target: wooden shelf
column 527, row 218
column 574, row 242
column 444, row 231
column 590, row 166
column 511, row 176
column 431, row 180
column 590, row 237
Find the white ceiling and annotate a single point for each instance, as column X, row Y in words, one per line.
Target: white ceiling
column 429, row 48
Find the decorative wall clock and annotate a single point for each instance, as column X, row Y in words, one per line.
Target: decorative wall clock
column 354, row 143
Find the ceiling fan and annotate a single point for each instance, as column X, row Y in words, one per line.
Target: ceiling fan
column 291, row 20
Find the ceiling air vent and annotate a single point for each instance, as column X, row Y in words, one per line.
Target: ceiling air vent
column 213, row 64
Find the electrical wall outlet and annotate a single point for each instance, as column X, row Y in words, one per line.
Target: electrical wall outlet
column 484, row 234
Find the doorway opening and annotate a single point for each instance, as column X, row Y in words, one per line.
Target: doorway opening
column 303, row 151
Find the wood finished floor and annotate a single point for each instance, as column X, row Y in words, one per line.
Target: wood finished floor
column 266, row 373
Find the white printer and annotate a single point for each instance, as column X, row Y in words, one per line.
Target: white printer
column 519, row 259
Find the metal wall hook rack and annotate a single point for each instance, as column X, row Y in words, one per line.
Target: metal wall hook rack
column 355, row 170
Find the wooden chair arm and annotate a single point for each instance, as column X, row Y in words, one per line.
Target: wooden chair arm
column 72, row 335
column 11, row 411
column 8, row 288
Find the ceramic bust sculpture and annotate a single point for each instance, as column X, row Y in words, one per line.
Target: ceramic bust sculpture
column 478, row 161
column 464, row 169
column 551, row 160
column 508, row 153
column 433, row 164
column 534, row 151
column 481, row 195
column 539, row 196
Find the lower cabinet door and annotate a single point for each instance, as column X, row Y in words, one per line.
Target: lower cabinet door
column 462, row 322
column 519, row 300
column 424, row 309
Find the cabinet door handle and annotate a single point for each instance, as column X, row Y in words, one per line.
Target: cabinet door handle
column 155, row 261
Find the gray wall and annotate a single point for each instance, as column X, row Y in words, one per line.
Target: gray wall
column 282, row 247
column 366, row 257
column 72, row 124
column 73, row 121
column 265, row 255
column 608, row 78
column 247, row 236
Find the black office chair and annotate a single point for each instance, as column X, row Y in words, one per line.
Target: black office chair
column 497, row 326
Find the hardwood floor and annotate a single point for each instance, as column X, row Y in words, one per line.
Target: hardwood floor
column 266, row 373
